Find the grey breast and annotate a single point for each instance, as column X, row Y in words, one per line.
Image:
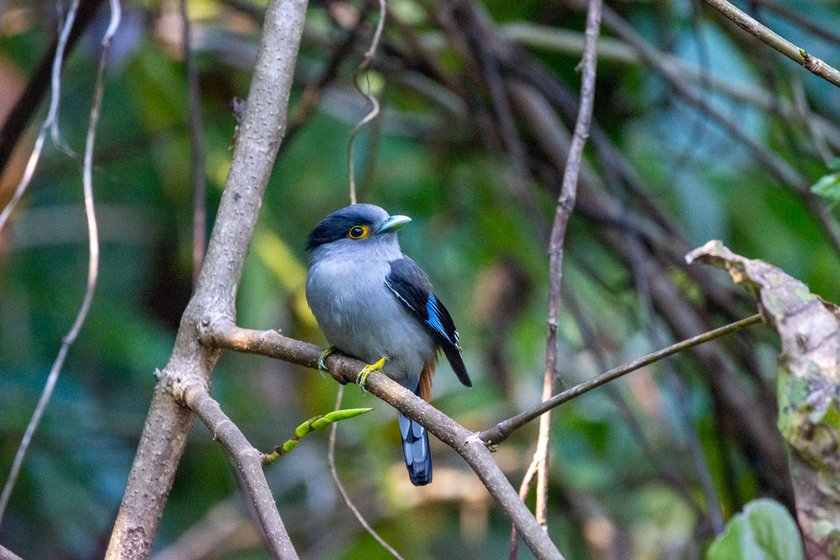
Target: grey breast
column 361, row 317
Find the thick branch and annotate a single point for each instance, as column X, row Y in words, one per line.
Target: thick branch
column 260, row 132
column 271, row 343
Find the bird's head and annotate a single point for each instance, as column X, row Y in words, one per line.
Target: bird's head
column 359, row 225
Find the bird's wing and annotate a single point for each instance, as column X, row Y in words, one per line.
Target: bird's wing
column 411, row 286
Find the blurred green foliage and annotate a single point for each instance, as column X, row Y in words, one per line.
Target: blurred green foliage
column 613, row 451
column 764, row 531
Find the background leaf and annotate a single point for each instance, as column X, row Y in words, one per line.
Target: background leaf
column 765, row 530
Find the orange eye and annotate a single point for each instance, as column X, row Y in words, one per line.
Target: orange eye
column 358, row 232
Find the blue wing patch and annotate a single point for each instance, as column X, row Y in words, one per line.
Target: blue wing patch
column 440, row 321
column 411, row 286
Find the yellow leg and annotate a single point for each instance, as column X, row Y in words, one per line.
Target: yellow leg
column 322, row 361
column 363, row 375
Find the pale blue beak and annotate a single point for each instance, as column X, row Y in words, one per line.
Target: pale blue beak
column 393, row 223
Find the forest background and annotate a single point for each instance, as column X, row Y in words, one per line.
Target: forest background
column 699, row 132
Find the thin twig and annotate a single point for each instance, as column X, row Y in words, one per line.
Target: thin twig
column 798, row 19
column 524, row 488
column 93, row 261
column 503, row 429
column 348, row 501
column 374, row 111
column 52, row 116
column 196, row 146
column 776, row 41
column 773, row 163
column 41, row 79
column 563, row 211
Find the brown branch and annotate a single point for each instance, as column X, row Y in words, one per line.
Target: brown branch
column 563, row 211
column 524, row 488
column 168, row 424
column 776, row 41
column 248, row 462
column 503, row 429
column 224, row 334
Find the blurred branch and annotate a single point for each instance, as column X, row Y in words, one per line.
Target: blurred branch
column 46, row 75
column 248, row 460
column 777, row 166
column 313, row 91
column 220, row 331
column 776, row 41
column 503, row 429
column 374, row 110
column 533, row 36
column 751, row 430
column 168, row 424
column 93, row 257
column 56, row 64
column 800, row 20
column 222, row 530
column 196, row 146
column 6, row 554
column 658, row 459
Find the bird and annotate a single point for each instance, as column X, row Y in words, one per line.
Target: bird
column 375, row 304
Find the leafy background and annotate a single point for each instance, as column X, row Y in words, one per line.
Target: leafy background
column 636, row 466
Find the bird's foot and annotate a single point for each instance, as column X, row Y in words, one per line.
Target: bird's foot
column 363, row 375
column 322, row 361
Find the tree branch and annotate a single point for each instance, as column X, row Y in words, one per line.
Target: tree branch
column 562, row 213
column 41, row 79
column 775, row 165
column 248, row 461
column 196, row 144
column 6, row 554
column 503, row 429
column 224, row 334
column 776, row 41
column 93, row 255
column 167, row 425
